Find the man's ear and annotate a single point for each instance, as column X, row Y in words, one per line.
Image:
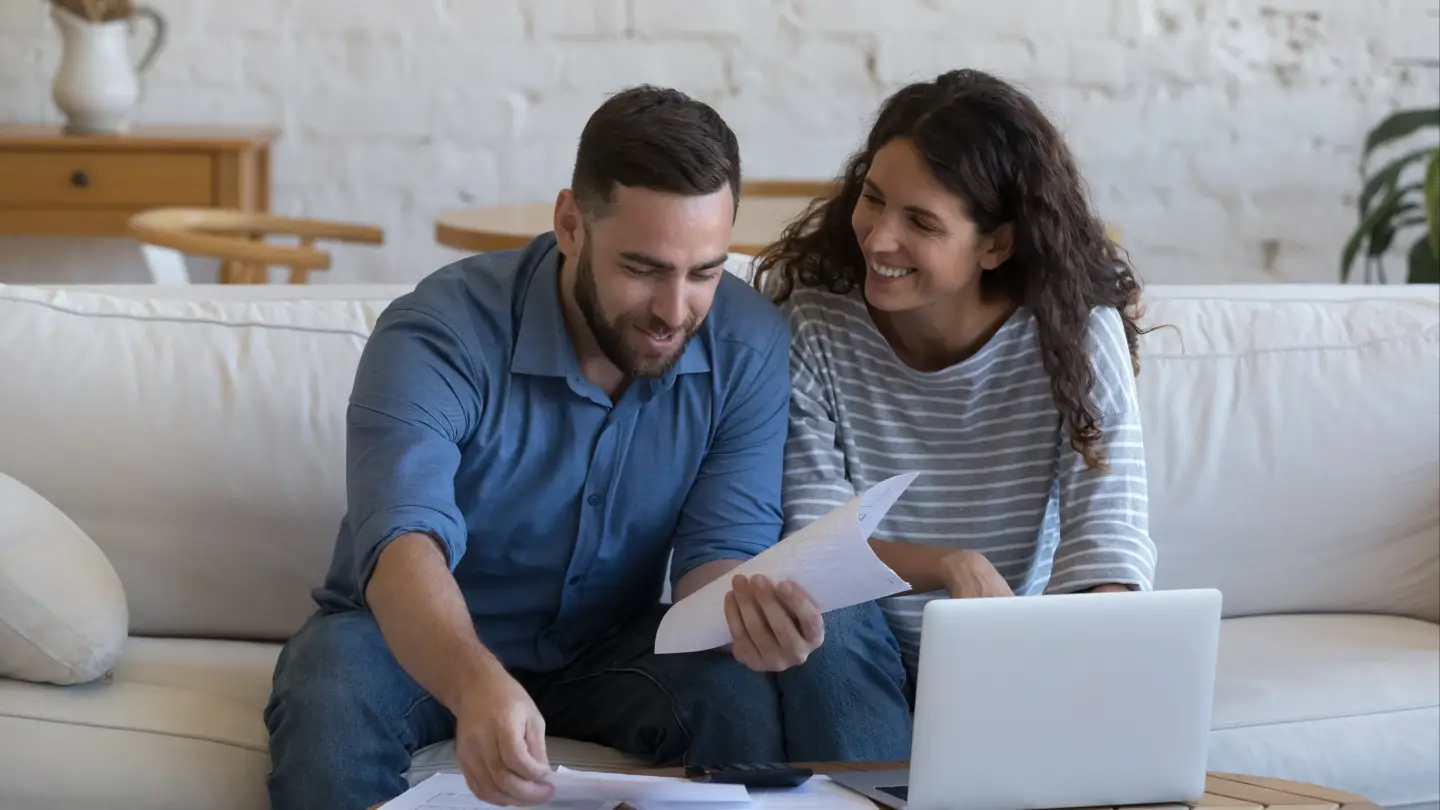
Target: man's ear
column 569, row 225
column 997, row 247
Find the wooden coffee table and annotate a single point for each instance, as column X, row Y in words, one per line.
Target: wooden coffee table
column 1222, row 790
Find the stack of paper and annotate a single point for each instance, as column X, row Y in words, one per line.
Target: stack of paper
column 583, row 790
column 830, row 558
column 817, row 794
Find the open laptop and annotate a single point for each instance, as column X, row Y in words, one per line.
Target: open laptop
column 1039, row 702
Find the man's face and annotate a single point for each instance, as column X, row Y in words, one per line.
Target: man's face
column 646, row 274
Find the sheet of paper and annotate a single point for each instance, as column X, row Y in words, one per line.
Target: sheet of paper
column 817, row 794
column 675, row 791
column 830, row 558
column 580, row 790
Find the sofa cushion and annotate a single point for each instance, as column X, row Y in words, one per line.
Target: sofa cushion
column 63, row 617
column 237, row 409
column 1292, row 439
column 1351, row 702
column 187, row 714
column 177, row 727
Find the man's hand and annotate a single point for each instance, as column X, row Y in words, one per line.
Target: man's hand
column 968, row 575
column 500, row 744
column 772, row 628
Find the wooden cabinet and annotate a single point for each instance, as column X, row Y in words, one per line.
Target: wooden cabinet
column 89, row 185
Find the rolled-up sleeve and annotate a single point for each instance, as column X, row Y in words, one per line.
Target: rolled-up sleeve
column 733, row 508
column 415, row 399
column 1104, row 513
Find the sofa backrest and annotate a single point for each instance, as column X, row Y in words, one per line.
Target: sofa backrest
column 197, row 435
column 1292, row 439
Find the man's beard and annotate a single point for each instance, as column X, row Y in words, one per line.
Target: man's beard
column 611, row 337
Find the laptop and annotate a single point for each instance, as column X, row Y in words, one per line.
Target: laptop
column 1097, row 699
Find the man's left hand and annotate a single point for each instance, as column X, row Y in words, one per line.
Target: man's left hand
column 772, row 627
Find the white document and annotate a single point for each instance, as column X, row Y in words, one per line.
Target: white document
column 819, row 793
column 572, row 786
column 579, row 790
column 830, row 558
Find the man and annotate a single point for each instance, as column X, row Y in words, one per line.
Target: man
column 531, row 433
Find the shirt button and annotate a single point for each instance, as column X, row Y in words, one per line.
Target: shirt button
column 593, row 500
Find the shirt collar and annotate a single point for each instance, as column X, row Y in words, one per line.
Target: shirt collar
column 543, row 344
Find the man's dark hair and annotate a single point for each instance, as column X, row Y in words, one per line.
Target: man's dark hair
column 654, row 138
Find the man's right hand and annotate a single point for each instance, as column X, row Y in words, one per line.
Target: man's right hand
column 500, row 743
column 969, row 575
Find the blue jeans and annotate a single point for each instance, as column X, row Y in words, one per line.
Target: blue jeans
column 345, row 718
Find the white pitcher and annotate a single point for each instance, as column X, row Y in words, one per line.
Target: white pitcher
column 98, row 83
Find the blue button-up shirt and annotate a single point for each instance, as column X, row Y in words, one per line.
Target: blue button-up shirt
column 558, row 508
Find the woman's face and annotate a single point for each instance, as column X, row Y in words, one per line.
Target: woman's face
column 919, row 243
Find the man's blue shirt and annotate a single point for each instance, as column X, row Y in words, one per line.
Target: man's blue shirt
column 470, row 421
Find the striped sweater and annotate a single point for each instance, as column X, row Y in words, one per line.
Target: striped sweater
column 997, row 473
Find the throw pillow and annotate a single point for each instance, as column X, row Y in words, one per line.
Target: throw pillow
column 63, row 615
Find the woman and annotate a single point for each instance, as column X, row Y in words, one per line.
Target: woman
column 957, row 309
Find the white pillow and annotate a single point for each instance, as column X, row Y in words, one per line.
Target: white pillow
column 63, row 615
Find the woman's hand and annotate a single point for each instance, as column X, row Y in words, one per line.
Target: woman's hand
column 968, row 575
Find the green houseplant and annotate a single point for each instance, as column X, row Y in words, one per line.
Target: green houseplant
column 1397, row 198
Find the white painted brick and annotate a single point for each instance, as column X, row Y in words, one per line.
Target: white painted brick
column 1220, row 135
column 833, row 66
column 24, row 17
column 306, row 62
column 694, row 67
column 306, row 162
column 534, row 170
column 478, row 20
column 337, row 116
column 868, row 16
column 455, row 62
column 657, row 18
column 578, row 19
column 200, row 61
column 257, row 16
column 901, row 60
column 468, row 117
column 375, row 15
column 555, row 116
column 19, row 58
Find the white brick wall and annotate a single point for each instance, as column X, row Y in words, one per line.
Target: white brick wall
column 1214, row 133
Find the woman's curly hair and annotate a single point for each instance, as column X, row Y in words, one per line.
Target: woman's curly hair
column 990, row 145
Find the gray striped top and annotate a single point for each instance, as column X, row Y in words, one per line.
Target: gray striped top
column 997, row 473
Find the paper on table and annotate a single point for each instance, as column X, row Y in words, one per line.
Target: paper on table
column 830, row 558
column 575, row 786
column 578, row 790
column 819, row 793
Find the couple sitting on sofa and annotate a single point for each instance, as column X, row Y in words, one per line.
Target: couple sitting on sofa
column 534, row 433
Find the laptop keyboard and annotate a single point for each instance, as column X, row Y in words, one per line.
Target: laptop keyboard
column 899, row 792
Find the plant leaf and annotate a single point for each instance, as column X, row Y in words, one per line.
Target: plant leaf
column 1432, row 200
column 1388, row 177
column 1398, row 125
column 1383, row 213
column 1424, row 267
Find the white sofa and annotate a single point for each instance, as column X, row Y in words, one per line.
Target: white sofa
column 196, row 435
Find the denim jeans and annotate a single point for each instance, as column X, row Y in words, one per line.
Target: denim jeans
column 344, row 717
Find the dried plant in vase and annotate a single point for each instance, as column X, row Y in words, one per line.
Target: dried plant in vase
column 98, row 11
column 98, row 82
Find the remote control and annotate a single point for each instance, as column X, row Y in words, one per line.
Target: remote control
column 755, row 775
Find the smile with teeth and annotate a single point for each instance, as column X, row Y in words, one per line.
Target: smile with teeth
column 661, row 339
column 890, row 272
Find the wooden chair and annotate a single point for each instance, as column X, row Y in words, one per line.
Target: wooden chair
column 237, row 239
column 787, row 188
